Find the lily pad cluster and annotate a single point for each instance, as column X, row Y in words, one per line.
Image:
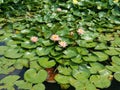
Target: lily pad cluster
column 79, row 38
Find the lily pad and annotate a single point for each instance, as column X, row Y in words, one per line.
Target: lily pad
column 96, row 67
column 112, row 52
column 69, row 53
column 81, row 74
column 62, row 79
column 100, row 81
column 101, row 56
column 28, row 45
column 90, row 58
column 33, row 76
column 78, row 85
column 12, row 53
column 10, row 79
column 39, row 86
column 21, row 84
column 3, row 49
column 64, row 70
column 46, row 63
column 116, row 60
column 82, row 51
column 101, row 46
column 117, row 76
column 43, row 51
column 77, row 59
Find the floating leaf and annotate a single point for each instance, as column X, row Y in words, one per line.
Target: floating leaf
column 21, row 84
column 38, row 87
column 10, row 79
column 82, row 74
column 101, row 56
column 29, row 55
column 46, row 63
column 3, row 49
column 100, row 81
column 112, row 52
column 64, row 70
column 43, row 51
column 62, row 79
column 28, row 45
column 33, row 76
column 77, row 59
column 117, row 76
column 113, row 68
column 78, row 85
column 25, row 31
column 82, row 51
column 12, row 53
column 101, row 46
column 116, row 60
column 96, row 67
column 90, row 58
column 69, row 53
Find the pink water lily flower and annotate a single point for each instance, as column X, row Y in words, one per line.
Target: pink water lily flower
column 59, row 9
column 34, row 39
column 55, row 37
column 80, row 31
column 63, row 44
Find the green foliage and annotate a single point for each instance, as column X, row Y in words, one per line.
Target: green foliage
column 79, row 38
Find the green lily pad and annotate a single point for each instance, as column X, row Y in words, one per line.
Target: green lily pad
column 82, row 51
column 29, row 54
column 25, row 31
column 113, row 68
column 12, row 53
column 83, row 43
column 116, row 60
column 105, row 72
column 82, row 74
column 47, row 42
column 101, row 46
column 62, row 79
column 33, row 76
column 102, row 56
column 22, row 62
column 112, row 52
column 77, row 59
column 39, row 86
column 78, row 85
column 21, row 84
column 90, row 58
column 43, row 51
column 10, row 79
column 100, row 81
column 69, row 53
column 46, row 63
column 16, row 37
column 64, row 70
column 96, row 67
column 28, row 45
column 35, row 65
column 117, row 76
column 3, row 49
column 2, row 32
